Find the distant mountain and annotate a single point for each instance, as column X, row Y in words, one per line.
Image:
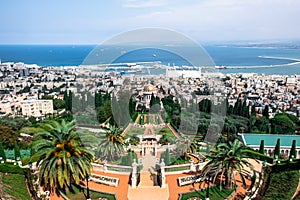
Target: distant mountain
column 282, row 44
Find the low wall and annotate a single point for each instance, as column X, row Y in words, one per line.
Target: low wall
column 184, row 168
column 110, row 168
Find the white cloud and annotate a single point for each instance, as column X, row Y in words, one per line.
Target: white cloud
column 230, row 19
column 143, row 3
column 199, row 19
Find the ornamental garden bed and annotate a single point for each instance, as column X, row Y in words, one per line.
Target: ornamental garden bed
column 214, row 194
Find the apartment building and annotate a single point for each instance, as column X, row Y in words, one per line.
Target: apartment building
column 36, row 108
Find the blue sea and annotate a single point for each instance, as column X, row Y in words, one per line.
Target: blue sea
column 73, row 55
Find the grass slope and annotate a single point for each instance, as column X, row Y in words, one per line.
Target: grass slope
column 282, row 185
column 14, row 185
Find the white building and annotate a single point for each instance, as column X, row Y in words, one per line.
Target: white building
column 270, row 140
column 6, row 107
column 36, row 108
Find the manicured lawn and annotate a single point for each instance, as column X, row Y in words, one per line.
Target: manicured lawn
column 214, row 194
column 165, row 131
column 14, row 185
column 78, row 194
column 135, row 131
column 282, row 185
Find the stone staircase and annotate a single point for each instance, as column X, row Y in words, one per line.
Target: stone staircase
column 148, row 180
column 148, row 188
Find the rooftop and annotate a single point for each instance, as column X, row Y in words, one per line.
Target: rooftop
column 270, row 139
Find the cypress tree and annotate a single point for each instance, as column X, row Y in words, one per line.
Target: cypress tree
column 262, row 147
column 238, row 107
column 277, row 149
column 97, row 100
column 2, row 153
column 70, row 97
column 265, row 112
column 209, row 104
column 293, row 150
column 100, row 100
column 152, row 100
column 167, row 157
column 253, row 111
column 17, row 151
column 132, row 105
column 230, row 110
column 66, row 99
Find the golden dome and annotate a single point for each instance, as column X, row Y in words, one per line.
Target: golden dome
column 149, row 88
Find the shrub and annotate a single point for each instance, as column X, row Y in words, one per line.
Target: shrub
column 9, row 168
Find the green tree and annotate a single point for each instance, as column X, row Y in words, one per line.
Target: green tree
column 245, row 110
column 104, row 112
column 132, row 104
column 282, row 124
column 17, row 151
column 173, row 110
column 185, row 145
column 134, row 140
column 98, row 99
column 205, row 105
column 8, row 136
column 168, row 159
column 15, row 123
column 277, row 149
column 165, row 139
column 237, row 109
column 260, row 124
column 262, row 147
column 228, row 158
column 253, row 111
column 128, row 159
column 2, row 153
column 63, row 159
column 265, row 112
column 111, row 144
column 58, row 104
column 68, row 98
column 293, row 152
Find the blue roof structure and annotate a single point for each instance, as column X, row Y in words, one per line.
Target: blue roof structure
column 269, row 139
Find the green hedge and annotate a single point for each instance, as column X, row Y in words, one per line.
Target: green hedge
column 286, row 166
column 9, row 168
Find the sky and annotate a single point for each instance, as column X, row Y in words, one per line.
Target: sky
column 94, row 21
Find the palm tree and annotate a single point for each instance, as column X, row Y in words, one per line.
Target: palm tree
column 111, row 144
column 134, row 140
column 186, row 145
column 62, row 158
column 228, row 158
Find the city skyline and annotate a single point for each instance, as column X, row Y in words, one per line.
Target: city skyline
column 79, row 22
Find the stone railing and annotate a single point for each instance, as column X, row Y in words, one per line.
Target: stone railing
column 177, row 169
column 110, row 168
column 184, row 168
